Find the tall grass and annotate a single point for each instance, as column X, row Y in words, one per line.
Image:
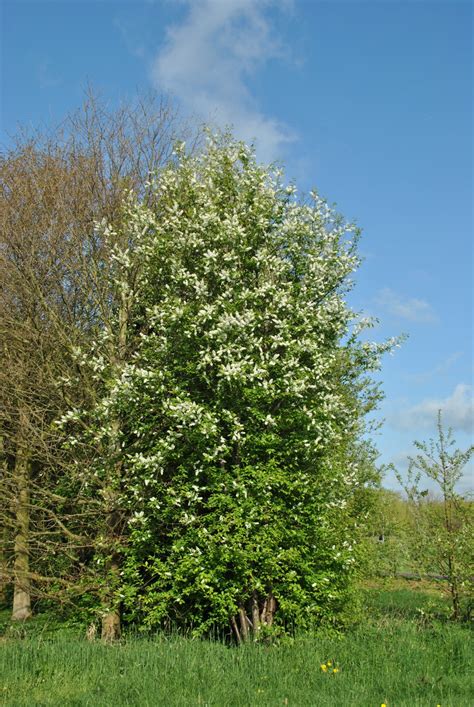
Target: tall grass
column 397, row 657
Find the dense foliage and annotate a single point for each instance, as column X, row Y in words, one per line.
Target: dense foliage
column 231, row 418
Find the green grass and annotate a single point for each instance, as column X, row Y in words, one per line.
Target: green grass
column 398, row 655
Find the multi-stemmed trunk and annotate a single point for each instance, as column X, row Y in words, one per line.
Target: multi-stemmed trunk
column 253, row 617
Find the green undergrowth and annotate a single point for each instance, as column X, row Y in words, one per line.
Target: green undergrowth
column 404, row 652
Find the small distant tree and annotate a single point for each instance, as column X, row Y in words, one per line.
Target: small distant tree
column 442, row 530
column 388, row 532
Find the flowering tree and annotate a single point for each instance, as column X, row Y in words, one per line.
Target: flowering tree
column 241, row 402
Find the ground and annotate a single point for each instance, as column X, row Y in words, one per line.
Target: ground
column 404, row 651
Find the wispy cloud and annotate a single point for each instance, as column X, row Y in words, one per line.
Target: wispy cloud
column 412, row 309
column 206, row 62
column 47, row 77
column 457, row 411
column 132, row 38
column 438, row 370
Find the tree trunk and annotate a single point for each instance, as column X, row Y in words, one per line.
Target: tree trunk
column 448, row 524
column 453, row 588
column 111, row 627
column 21, row 568
column 111, row 623
column 262, row 615
column 268, row 610
column 255, row 616
column 235, row 629
column 4, row 574
column 244, row 624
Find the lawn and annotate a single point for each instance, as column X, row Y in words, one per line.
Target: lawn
column 402, row 653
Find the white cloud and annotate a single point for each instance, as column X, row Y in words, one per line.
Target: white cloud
column 457, row 412
column 415, row 310
column 207, row 59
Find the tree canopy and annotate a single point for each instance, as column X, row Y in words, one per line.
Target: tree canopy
column 231, row 419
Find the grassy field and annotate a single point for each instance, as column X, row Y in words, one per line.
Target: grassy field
column 401, row 654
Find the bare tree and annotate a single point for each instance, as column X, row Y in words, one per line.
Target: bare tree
column 56, row 295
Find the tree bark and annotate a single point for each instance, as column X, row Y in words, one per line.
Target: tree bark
column 244, row 624
column 448, row 524
column 4, row 574
column 3, row 533
column 21, row 568
column 255, row 616
column 235, row 629
column 262, row 614
column 111, row 621
column 453, row 588
column 268, row 610
column 111, row 630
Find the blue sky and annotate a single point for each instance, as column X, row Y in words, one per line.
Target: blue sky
column 370, row 102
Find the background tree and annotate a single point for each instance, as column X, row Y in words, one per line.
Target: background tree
column 57, row 296
column 443, row 531
column 388, row 533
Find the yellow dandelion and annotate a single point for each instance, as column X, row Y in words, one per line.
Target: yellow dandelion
column 324, row 667
column 329, row 663
column 335, row 670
